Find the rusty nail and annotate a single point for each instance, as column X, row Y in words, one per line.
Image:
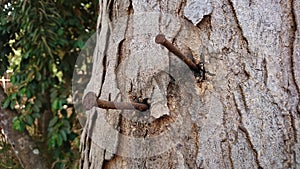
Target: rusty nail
column 90, row 100
column 160, row 39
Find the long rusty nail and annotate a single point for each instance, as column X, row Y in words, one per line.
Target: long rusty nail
column 160, row 39
column 90, row 100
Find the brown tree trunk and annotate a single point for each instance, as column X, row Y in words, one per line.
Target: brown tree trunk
column 25, row 148
column 246, row 116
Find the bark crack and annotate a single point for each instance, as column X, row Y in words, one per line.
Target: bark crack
column 241, row 127
column 122, row 46
column 205, row 24
column 104, row 61
column 110, row 10
column 226, row 154
column 105, row 162
column 293, row 125
column 230, row 156
column 250, row 3
column 293, row 73
column 181, row 8
column 239, row 26
column 130, row 8
column 226, row 151
column 120, row 53
column 293, row 41
column 248, row 139
column 265, row 71
column 196, row 137
column 239, row 110
column 243, row 98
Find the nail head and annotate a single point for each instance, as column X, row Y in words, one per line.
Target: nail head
column 160, row 39
column 90, row 100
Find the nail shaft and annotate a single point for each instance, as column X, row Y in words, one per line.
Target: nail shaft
column 90, row 100
column 122, row 105
column 160, row 39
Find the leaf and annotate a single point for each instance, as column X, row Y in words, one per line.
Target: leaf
column 72, row 136
column 22, row 90
column 13, row 96
column 53, row 93
column 59, row 140
column 47, row 46
column 38, row 102
column 38, row 76
column 66, row 124
column 53, row 121
column 6, row 103
column 60, row 104
column 63, row 134
column 28, row 93
column 35, row 108
column 12, row 105
column 52, row 141
column 55, row 104
column 13, row 79
column 18, row 124
column 29, row 119
column 36, row 115
column 60, row 32
column 79, row 43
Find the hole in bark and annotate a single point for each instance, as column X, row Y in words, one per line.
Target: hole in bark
column 149, row 127
column 120, row 52
column 130, row 8
column 205, row 22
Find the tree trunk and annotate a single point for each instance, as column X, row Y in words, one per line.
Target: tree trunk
column 24, row 147
column 245, row 116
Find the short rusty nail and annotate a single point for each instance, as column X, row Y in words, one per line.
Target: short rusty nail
column 160, row 39
column 90, row 100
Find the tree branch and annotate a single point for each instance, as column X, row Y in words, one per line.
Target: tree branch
column 24, row 147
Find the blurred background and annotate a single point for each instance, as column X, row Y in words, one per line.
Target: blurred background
column 39, row 44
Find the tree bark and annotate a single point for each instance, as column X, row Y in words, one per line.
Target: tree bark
column 24, row 147
column 246, row 116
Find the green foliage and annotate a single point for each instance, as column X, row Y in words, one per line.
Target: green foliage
column 40, row 41
column 7, row 155
column 18, row 124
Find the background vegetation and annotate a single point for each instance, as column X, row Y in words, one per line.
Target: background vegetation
column 39, row 44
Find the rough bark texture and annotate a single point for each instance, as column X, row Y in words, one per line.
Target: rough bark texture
column 246, row 116
column 25, row 148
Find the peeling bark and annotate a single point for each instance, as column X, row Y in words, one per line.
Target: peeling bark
column 247, row 116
